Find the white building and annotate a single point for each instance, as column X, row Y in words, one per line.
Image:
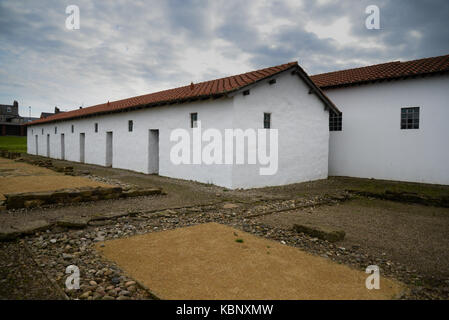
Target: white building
column 135, row 133
column 393, row 123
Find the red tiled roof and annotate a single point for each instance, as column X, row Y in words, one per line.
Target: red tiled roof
column 384, row 71
column 207, row 89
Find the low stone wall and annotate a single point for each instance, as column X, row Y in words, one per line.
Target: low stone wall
column 405, row 197
column 9, row 155
column 36, row 199
column 320, row 232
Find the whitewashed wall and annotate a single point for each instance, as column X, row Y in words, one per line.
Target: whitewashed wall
column 130, row 149
column 299, row 116
column 372, row 145
column 303, row 126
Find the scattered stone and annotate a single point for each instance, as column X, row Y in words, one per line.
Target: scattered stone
column 67, row 256
column 124, row 293
column 320, row 232
column 115, row 280
column 72, row 222
column 230, row 206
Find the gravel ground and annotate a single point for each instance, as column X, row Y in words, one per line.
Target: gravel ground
column 414, row 235
column 186, row 203
column 21, row 277
column 55, row 250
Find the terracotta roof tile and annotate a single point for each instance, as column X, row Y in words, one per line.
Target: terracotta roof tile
column 384, row 71
column 204, row 89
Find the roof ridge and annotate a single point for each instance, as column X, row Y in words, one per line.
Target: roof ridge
column 387, row 70
column 219, row 86
column 358, row 68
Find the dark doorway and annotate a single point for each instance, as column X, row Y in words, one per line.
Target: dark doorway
column 109, row 147
column 82, row 146
column 153, row 151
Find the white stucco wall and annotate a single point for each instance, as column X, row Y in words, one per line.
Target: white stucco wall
column 302, row 124
column 372, row 145
column 130, row 149
column 300, row 117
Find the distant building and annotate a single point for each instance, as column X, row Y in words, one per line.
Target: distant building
column 11, row 123
column 47, row 114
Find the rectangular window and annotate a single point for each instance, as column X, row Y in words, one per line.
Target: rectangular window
column 42, row 130
column 130, row 125
column 8, row 109
column 73, row 128
column 56, row 130
column 335, row 121
column 410, row 118
column 96, row 126
column 193, row 120
column 267, row 120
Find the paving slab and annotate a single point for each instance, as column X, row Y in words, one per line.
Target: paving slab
column 24, row 184
column 214, row 261
column 11, row 232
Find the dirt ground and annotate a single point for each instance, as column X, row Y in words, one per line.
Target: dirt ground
column 207, row 262
column 410, row 236
column 413, row 234
column 17, row 177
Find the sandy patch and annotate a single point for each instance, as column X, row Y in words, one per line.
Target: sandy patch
column 206, row 262
column 22, row 177
column 46, row 183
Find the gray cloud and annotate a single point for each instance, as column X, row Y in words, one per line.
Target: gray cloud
column 127, row 48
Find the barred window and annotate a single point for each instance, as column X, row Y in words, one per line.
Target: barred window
column 335, row 121
column 130, row 125
column 193, row 120
column 267, row 120
column 410, row 118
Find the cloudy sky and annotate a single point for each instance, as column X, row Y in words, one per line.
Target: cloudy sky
column 128, row 48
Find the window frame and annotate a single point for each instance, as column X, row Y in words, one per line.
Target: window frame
column 410, row 118
column 130, row 125
column 335, row 121
column 265, row 121
column 193, row 122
